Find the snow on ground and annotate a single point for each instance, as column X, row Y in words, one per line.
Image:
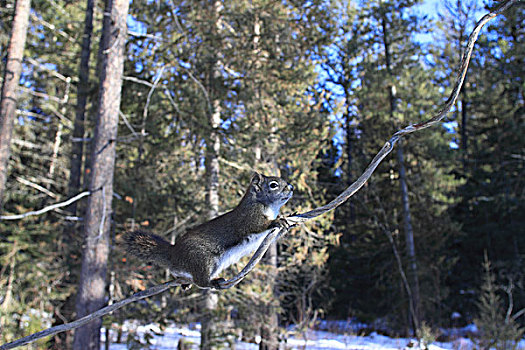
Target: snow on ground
column 311, row 340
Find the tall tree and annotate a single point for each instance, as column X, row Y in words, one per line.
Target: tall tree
column 67, row 309
column 274, row 100
column 387, row 39
column 377, row 57
column 213, row 144
column 77, row 151
column 13, row 69
column 491, row 198
column 92, row 285
column 454, row 24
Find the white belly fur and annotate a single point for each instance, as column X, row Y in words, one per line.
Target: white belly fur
column 234, row 254
column 178, row 274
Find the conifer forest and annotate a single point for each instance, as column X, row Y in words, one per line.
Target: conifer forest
column 121, row 115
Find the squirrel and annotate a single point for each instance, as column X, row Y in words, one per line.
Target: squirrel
column 204, row 251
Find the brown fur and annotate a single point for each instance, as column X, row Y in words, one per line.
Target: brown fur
column 198, row 251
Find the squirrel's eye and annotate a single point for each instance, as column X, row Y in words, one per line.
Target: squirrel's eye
column 274, row 185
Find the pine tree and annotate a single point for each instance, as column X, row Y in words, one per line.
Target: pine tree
column 390, row 88
column 92, row 285
column 491, row 195
column 13, row 68
column 497, row 327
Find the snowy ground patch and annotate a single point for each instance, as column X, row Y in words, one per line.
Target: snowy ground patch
column 310, row 340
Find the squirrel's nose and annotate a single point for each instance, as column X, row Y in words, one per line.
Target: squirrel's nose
column 290, row 187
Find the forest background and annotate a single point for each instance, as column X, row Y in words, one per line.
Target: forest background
column 310, row 90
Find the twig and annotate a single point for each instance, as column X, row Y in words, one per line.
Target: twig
column 50, row 71
column 125, row 119
column 41, row 94
column 234, row 164
column 36, row 186
column 172, row 101
column 137, row 80
column 52, row 27
column 294, row 219
column 148, row 99
column 206, row 95
column 46, row 209
column 145, row 35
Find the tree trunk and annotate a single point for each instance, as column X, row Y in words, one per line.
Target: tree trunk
column 91, row 291
column 270, row 327
column 464, row 119
column 77, row 147
column 67, row 308
column 13, row 69
column 56, row 150
column 349, row 130
column 409, row 237
column 213, row 144
column 409, row 232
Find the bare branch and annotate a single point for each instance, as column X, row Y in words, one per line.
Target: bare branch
column 125, row 119
column 99, row 313
column 145, row 35
column 199, row 84
column 138, row 81
column 389, row 145
column 518, row 314
column 234, row 164
column 46, row 209
column 172, row 101
column 40, row 94
column 42, row 66
column 36, row 186
column 52, row 27
column 148, row 99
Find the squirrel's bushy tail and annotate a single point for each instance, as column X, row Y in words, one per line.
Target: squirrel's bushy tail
column 148, row 247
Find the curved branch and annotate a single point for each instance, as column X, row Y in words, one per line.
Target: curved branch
column 294, row 219
column 389, row 145
column 99, row 313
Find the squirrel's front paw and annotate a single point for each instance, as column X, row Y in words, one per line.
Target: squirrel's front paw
column 281, row 223
column 217, row 283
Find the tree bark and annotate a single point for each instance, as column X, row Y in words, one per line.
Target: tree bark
column 213, row 145
column 464, row 108
column 409, row 232
column 67, row 308
column 13, row 69
column 91, row 291
column 349, row 131
column 270, row 326
column 77, row 147
column 409, row 237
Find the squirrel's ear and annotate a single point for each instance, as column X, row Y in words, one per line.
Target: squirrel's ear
column 257, row 180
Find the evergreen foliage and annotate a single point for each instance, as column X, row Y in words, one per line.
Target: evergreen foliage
column 303, row 90
column 497, row 327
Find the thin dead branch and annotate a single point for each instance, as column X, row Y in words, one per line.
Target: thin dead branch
column 46, row 209
column 99, row 313
column 276, row 233
column 389, row 145
column 36, row 186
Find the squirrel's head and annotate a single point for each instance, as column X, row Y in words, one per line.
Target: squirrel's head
column 271, row 191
